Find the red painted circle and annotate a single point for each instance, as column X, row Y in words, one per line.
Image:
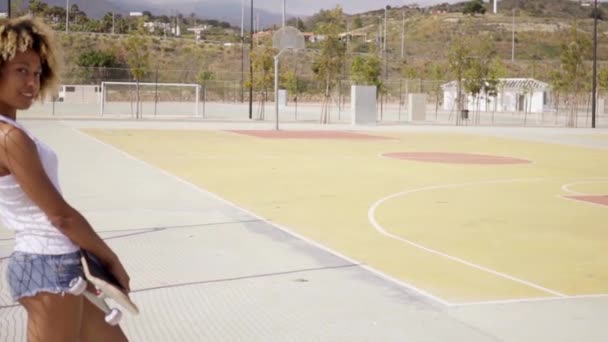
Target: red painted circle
column 455, row 158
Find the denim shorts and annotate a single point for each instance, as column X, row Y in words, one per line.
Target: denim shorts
column 30, row 274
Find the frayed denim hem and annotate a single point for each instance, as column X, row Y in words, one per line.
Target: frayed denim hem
column 36, row 292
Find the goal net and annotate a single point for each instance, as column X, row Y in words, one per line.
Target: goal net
column 150, row 99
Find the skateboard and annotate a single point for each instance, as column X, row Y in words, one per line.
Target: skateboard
column 105, row 286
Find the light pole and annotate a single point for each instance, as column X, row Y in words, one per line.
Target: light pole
column 594, row 97
column 251, row 65
column 276, row 89
column 513, row 38
column 242, row 48
column 384, row 41
column 67, row 16
column 403, row 34
column 283, row 13
column 384, row 35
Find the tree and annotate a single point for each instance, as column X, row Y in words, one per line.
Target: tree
column 558, row 86
column 474, row 7
column 203, row 77
column 107, row 22
column 17, row 7
column 409, row 71
column 473, row 80
column 493, row 85
column 458, row 63
column 263, row 78
column 136, row 54
column 294, row 85
column 573, row 71
column 478, row 76
column 37, row 7
column 329, row 63
column 366, row 70
column 100, row 59
column 602, row 78
column 437, row 73
column 599, row 14
column 358, row 23
column 92, row 65
column 297, row 23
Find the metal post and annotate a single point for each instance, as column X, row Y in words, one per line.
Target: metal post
column 103, row 97
column 403, row 35
column 198, row 99
column 513, row 39
column 67, row 16
column 156, row 91
column 276, row 91
column 283, row 13
column 242, row 49
column 594, row 98
column 8, row 11
column 251, row 66
column 384, row 40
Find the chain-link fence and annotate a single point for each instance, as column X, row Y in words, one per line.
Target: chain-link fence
column 226, row 96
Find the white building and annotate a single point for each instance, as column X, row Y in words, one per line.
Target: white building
column 79, row 93
column 198, row 31
column 152, row 26
column 514, row 95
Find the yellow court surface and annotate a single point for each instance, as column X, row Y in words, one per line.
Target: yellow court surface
column 463, row 232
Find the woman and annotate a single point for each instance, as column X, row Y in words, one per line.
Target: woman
column 49, row 233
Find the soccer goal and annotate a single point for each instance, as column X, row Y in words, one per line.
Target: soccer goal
column 150, row 99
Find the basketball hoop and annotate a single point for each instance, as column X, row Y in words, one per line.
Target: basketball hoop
column 287, row 38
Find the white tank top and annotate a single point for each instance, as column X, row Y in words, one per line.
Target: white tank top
column 34, row 232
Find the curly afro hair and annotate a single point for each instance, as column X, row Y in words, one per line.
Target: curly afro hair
column 28, row 32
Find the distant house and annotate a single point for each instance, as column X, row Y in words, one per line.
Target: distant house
column 152, row 26
column 514, row 95
column 312, row 37
column 308, row 36
column 198, row 31
column 354, row 36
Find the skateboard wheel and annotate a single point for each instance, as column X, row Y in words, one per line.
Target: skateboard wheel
column 113, row 317
column 77, row 286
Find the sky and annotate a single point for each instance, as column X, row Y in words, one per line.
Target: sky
column 307, row 7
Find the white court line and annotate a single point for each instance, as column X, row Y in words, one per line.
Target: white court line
column 282, row 228
column 566, row 187
column 528, row 300
column 372, row 213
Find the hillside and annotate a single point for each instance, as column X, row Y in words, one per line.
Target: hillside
column 536, row 8
column 427, row 36
column 94, row 9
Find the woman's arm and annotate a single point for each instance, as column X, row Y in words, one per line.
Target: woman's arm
column 18, row 153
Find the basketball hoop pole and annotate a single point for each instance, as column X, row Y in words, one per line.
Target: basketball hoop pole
column 276, row 89
column 287, row 38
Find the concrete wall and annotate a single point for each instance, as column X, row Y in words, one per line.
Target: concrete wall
column 416, row 107
column 363, row 105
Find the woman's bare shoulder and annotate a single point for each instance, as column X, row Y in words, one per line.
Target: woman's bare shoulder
column 14, row 144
